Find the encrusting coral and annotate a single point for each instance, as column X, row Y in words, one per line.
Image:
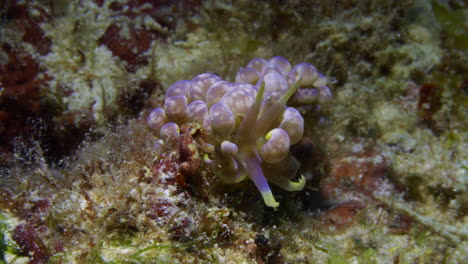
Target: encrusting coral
column 246, row 127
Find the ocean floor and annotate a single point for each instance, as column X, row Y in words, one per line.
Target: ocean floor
column 384, row 156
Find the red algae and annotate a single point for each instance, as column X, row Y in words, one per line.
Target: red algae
column 359, row 174
column 343, row 214
column 356, row 177
column 20, row 99
column 31, row 244
column 129, row 49
column 429, row 102
column 20, row 16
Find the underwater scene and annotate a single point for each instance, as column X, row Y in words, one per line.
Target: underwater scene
column 223, row 131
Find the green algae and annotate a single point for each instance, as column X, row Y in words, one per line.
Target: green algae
column 3, row 245
column 7, row 246
column 453, row 22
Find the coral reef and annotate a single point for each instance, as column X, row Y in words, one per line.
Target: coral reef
column 381, row 165
column 246, row 128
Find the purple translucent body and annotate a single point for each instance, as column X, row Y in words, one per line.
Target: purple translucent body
column 247, row 123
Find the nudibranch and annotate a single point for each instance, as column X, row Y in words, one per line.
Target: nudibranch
column 246, row 126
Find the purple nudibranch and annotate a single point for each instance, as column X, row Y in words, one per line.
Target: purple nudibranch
column 249, row 128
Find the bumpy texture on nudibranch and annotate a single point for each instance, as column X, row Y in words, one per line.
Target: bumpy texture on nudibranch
column 247, row 129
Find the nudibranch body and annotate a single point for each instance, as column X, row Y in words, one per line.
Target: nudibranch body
column 247, row 128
